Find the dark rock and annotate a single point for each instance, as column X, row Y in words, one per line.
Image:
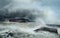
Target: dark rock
column 1, row 36
column 10, row 34
column 19, row 20
column 53, row 30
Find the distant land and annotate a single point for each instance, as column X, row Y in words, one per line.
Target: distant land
column 54, row 25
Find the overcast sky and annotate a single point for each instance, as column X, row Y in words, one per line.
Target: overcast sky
column 55, row 7
column 54, row 4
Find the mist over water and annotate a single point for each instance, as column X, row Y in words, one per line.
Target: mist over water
column 32, row 10
column 25, row 8
column 29, row 9
column 35, row 7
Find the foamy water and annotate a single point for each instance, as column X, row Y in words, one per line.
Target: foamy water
column 24, row 29
column 28, row 28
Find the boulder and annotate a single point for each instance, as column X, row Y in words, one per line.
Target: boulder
column 53, row 30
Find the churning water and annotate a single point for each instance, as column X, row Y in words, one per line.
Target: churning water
column 23, row 30
column 28, row 9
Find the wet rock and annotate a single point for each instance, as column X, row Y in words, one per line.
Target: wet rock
column 1, row 36
column 10, row 34
column 28, row 35
column 53, row 30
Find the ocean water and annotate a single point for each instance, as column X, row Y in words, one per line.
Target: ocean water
column 23, row 30
column 26, row 30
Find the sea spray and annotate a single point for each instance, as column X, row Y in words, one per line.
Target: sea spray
column 28, row 9
column 34, row 12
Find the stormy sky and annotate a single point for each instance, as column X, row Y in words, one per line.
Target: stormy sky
column 51, row 9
